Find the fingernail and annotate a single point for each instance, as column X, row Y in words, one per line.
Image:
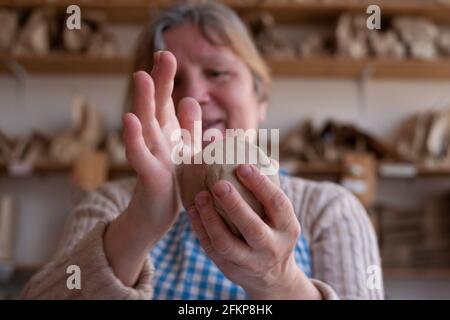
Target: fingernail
column 156, row 58
column 192, row 211
column 202, row 199
column 221, row 188
column 245, row 171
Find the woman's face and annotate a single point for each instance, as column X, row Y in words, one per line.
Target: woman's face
column 218, row 79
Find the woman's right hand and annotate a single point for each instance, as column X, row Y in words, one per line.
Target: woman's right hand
column 148, row 142
column 147, row 134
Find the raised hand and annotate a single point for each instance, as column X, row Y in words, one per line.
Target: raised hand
column 155, row 202
column 147, row 136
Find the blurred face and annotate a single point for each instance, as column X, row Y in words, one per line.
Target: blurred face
column 219, row 80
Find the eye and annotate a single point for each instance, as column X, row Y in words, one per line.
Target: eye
column 216, row 74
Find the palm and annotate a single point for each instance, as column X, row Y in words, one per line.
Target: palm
column 172, row 124
column 148, row 132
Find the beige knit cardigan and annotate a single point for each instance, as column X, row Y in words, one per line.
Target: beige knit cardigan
column 339, row 233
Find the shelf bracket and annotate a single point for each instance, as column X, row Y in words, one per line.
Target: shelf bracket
column 20, row 74
column 361, row 87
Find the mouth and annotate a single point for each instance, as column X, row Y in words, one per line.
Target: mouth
column 213, row 124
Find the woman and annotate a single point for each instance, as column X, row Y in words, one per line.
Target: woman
column 318, row 242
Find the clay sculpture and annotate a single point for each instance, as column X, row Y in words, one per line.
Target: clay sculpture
column 9, row 23
column 86, row 133
column 194, row 178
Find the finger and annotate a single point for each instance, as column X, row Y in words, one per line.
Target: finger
column 202, row 235
column 223, row 241
column 164, row 69
column 198, row 228
column 137, row 152
column 276, row 204
column 144, row 107
column 190, row 117
column 255, row 231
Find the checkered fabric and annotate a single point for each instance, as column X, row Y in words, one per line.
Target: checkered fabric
column 184, row 271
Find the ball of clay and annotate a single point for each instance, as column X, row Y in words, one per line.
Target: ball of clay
column 194, row 178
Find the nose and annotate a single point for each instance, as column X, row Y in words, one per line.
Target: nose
column 198, row 89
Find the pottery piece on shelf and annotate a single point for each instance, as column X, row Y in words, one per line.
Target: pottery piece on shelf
column 34, row 36
column 103, row 44
column 9, row 23
column 116, row 148
column 85, row 133
column 351, row 36
column 443, row 42
column 271, row 41
column 386, row 45
column 419, row 35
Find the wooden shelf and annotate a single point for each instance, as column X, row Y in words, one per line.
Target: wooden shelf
column 59, row 63
column 414, row 171
column 318, row 169
column 116, row 11
column 50, row 168
column 315, row 12
column 138, row 11
column 416, row 273
column 40, row 168
column 67, row 64
column 348, row 68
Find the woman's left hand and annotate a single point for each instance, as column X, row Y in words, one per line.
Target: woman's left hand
column 264, row 264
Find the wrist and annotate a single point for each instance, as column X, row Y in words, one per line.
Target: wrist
column 292, row 285
column 153, row 215
column 126, row 247
column 139, row 229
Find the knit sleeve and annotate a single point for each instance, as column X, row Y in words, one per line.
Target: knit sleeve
column 82, row 246
column 343, row 244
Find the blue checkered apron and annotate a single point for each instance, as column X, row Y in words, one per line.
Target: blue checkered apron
column 184, row 271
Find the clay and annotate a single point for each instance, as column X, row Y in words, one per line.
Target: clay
column 439, row 134
column 351, row 36
column 194, row 178
column 425, row 138
column 443, row 42
column 85, row 133
column 93, row 38
column 312, row 45
column 309, row 144
column 103, row 44
column 116, row 148
column 387, row 45
column 34, row 37
column 9, row 23
column 271, row 40
column 419, row 35
column 28, row 151
column 77, row 41
column 6, row 147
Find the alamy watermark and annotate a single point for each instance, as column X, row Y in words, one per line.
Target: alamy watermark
column 188, row 148
column 374, row 280
column 373, row 22
column 73, row 281
column 73, row 22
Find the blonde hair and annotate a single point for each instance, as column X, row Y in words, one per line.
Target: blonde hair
column 219, row 25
